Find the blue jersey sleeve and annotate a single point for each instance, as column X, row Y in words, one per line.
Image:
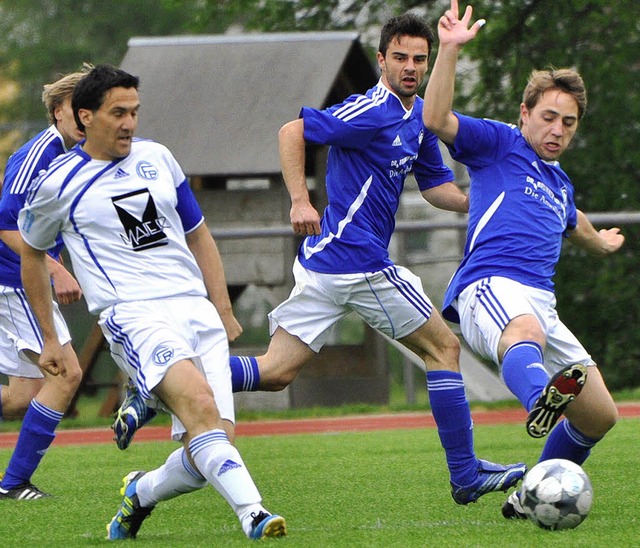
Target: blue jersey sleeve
column 188, row 208
column 429, row 169
column 480, row 143
column 347, row 125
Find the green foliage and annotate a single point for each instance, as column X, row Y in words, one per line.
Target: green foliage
column 376, row 489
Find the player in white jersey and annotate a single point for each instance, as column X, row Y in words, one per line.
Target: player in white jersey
column 520, row 208
column 343, row 264
column 148, row 266
column 41, row 398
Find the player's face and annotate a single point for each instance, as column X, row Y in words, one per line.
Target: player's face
column 66, row 123
column 110, row 129
column 404, row 66
column 551, row 124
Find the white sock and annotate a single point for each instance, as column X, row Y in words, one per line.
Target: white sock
column 175, row 477
column 221, row 463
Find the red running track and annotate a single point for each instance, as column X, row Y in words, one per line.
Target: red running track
column 359, row 423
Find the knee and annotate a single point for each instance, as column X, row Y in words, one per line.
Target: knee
column 598, row 424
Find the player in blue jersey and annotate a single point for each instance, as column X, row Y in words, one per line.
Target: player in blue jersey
column 343, row 264
column 521, row 206
column 43, row 397
column 151, row 271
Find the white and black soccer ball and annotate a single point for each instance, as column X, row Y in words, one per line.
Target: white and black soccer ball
column 556, row 494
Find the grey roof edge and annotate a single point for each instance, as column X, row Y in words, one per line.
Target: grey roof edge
column 190, row 40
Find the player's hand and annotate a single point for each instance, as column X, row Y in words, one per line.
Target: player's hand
column 611, row 239
column 65, row 286
column 455, row 31
column 231, row 325
column 305, row 219
column 52, row 360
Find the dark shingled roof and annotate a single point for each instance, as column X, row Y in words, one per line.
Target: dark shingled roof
column 218, row 101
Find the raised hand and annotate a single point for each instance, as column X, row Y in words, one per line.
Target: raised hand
column 455, row 31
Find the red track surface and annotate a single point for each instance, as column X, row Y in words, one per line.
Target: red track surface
column 359, row 423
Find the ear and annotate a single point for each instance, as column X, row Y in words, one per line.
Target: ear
column 86, row 116
column 524, row 112
column 57, row 113
column 380, row 59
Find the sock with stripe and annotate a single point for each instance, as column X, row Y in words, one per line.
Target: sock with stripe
column 175, row 477
column 245, row 376
column 221, row 464
column 523, row 372
column 452, row 415
column 566, row 442
column 36, row 435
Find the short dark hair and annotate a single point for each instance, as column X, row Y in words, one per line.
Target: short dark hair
column 407, row 24
column 90, row 91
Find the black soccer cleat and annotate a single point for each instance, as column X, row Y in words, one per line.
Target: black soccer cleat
column 25, row 491
column 561, row 390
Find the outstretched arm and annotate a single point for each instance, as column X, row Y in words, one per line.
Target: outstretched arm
column 304, row 217
column 597, row 242
column 453, row 33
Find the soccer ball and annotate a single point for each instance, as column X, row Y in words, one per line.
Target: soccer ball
column 556, row 494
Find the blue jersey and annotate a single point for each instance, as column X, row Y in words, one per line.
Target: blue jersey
column 374, row 143
column 519, row 209
column 23, row 167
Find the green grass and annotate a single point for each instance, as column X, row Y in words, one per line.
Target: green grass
column 375, row 489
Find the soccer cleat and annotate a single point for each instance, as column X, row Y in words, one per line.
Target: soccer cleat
column 132, row 415
column 267, row 526
column 491, row 477
column 561, row 390
column 126, row 523
column 512, row 509
column 25, row 491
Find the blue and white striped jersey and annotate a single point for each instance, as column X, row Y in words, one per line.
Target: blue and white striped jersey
column 519, row 209
column 374, row 143
column 22, row 168
column 123, row 222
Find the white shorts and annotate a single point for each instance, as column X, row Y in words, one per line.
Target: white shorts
column 487, row 306
column 390, row 300
column 147, row 337
column 19, row 331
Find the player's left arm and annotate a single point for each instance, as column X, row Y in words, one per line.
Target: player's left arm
column 447, row 196
column 205, row 251
column 597, row 242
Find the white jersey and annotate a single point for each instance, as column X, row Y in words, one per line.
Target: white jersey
column 123, row 222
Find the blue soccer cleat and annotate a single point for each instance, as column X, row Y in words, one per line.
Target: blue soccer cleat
column 561, row 390
column 267, row 526
column 491, row 477
column 132, row 415
column 126, row 523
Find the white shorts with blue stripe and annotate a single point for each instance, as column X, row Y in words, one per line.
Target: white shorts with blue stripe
column 487, row 306
column 390, row 300
column 147, row 337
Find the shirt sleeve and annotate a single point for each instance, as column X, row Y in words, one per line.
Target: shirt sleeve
column 481, row 142
column 351, row 124
column 37, row 221
column 188, row 208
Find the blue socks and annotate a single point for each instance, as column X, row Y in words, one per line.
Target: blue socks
column 452, row 416
column 566, row 442
column 36, row 435
column 523, row 372
column 245, row 376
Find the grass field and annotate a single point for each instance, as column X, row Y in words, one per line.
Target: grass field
column 353, row 489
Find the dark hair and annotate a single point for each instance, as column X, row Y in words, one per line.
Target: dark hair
column 90, row 91
column 407, row 24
